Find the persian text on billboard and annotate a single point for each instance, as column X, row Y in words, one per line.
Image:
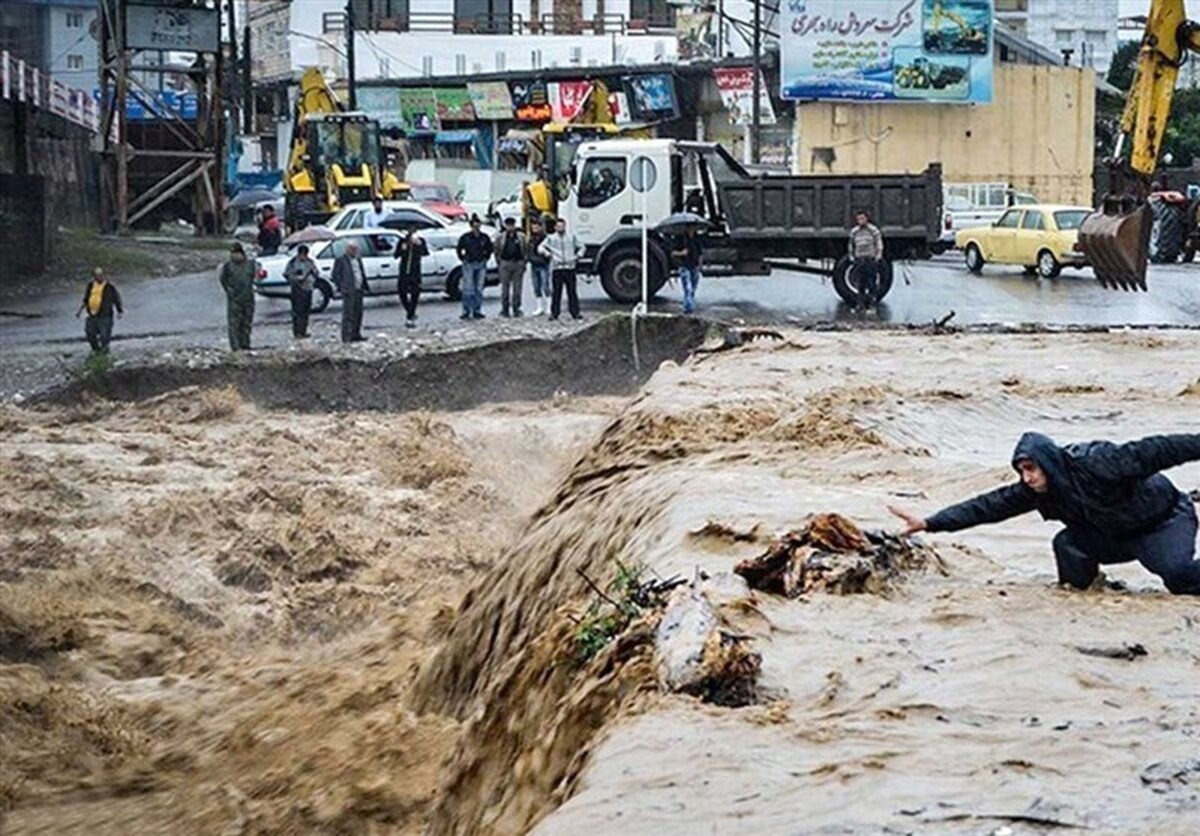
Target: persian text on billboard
column 887, row 50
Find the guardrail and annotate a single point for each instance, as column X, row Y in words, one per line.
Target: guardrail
column 29, row 84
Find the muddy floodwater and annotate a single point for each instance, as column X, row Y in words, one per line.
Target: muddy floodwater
column 221, row 618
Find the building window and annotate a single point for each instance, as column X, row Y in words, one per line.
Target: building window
column 74, row 20
column 492, row 17
column 1097, row 37
column 659, row 14
column 1012, row 5
column 1064, row 37
column 74, row 62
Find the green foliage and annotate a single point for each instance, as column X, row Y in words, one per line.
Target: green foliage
column 1182, row 137
column 96, row 364
column 1124, row 62
column 625, row 600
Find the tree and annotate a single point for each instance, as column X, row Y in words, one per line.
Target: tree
column 1182, row 137
column 1124, row 62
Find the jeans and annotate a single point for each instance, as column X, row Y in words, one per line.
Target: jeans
column 1168, row 550
column 473, row 275
column 689, row 277
column 410, row 293
column 512, row 286
column 301, row 305
column 866, row 271
column 564, row 279
column 540, row 273
column 98, row 330
column 352, row 316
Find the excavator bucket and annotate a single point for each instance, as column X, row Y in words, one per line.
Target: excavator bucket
column 1116, row 240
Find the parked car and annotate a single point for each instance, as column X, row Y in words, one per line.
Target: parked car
column 439, row 198
column 440, row 270
column 1040, row 238
column 403, row 215
column 971, row 205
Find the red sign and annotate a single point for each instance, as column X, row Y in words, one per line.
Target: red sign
column 567, row 99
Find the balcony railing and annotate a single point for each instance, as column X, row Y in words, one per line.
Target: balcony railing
column 507, row 24
column 22, row 82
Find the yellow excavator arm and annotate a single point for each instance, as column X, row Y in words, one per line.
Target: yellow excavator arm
column 1116, row 238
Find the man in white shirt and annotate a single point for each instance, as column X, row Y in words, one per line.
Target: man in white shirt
column 564, row 250
column 373, row 217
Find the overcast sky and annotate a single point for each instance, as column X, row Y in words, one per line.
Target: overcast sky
column 1134, row 7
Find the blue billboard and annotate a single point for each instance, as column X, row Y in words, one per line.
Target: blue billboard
column 887, row 50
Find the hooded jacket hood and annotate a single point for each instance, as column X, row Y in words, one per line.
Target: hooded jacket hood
column 1043, row 451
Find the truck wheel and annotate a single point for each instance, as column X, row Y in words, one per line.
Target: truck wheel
column 974, row 258
column 1047, row 265
column 621, row 275
column 846, row 284
column 454, row 285
column 322, row 294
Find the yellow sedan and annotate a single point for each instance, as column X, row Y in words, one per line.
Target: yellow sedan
column 1040, row 238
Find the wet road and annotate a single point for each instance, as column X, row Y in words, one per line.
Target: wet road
column 189, row 311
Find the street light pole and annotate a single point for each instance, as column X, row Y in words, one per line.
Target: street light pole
column 755, row 106
column 352, row 96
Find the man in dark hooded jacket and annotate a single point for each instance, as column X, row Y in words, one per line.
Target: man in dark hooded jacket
column 1116, row 505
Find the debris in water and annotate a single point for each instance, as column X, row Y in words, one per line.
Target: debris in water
column 1171, row 776
column 830, row 553
column 738, row 337
column 1128, row 652
column 723, row 531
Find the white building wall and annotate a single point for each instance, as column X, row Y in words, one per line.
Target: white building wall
column 72, row 53
column 1089, row 27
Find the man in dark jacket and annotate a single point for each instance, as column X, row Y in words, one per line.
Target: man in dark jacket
column 510, row 256
column 1116, row 505
column 474, row 250
column 409, row 252
column 237, row 280
column 99, row 300
column 350, row 278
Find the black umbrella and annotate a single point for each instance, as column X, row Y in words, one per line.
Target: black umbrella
column 681, row 221
column 252, row 197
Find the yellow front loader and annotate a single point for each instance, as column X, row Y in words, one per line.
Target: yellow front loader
column 335, row 158
column 1116, row 237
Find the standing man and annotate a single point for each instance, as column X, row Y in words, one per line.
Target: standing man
column 866, row 253
column 301, row 274
column 237, row 280
column 474, row 250
column 510, row 249
column 270, row 232
column 373, row 217
column 99, row 300
column 409, row 252
column 1115, row 503
column 563, row 249
column 688, row 254
column 350, row 278
column 539, row 265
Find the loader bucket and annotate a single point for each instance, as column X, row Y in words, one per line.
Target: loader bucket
column 1116, row 240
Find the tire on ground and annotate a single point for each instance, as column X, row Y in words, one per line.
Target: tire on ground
column 847, row 287
column 454, row 285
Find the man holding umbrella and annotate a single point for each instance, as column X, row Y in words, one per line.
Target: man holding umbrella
column 687, row 252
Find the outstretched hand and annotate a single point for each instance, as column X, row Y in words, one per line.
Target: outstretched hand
column 912, row 523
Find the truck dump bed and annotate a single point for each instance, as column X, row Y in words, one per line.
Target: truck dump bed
column 810, row 215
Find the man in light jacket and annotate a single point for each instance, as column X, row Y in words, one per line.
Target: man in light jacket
column 866, row 254
column 350, row 277
column 564, row 250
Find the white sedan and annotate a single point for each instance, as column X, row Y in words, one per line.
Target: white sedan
column 440, row 270
column 404, row 214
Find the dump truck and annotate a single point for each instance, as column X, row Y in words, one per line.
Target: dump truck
column 755, row 224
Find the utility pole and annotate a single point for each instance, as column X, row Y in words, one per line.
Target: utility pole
column 352, row 96
column 756, row 107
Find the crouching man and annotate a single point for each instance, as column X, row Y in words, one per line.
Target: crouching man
column 1115, row 503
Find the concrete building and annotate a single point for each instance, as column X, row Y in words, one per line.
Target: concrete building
column 54, row 35
column 1086, row 27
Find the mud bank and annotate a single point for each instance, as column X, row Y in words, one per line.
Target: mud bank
column 595, row 360
column 954, row 701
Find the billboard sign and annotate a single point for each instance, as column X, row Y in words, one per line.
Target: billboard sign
column 182, row 28
column 382, row 104
column 652, row 97
column 736, row 85
column 532, row 101
column 492, row 99
column 887, row 50
column 419, row 110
